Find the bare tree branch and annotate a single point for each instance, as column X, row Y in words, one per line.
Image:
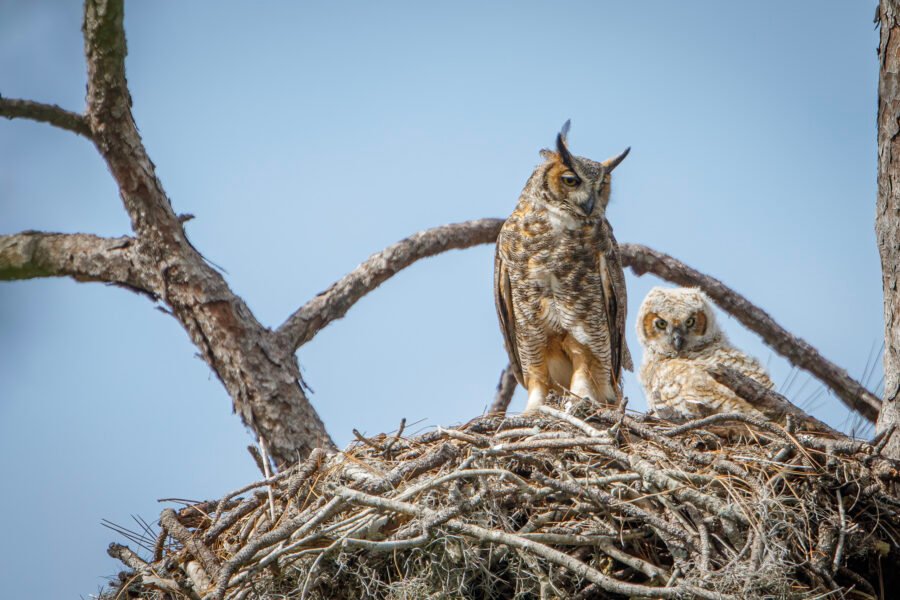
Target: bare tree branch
column 769, row 402
column 261, row 375
column 81, row 256
column 506, row 387
column 12, row 108
column 257, row 366
column 115, row 133
column 334, row 302
column 799, row 352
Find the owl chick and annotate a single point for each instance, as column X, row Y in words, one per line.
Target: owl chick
column 681, row 339
column 558, row 283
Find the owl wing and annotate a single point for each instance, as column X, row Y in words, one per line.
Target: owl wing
column 504, row 301
column 616, row 301
column 682, row 389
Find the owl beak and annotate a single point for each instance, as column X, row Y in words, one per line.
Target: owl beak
column 612, row 163
column 588, row 207
column 678, row 340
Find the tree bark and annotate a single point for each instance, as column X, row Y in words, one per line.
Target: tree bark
column 257, row 365
column 260, row 373
column 887, row 213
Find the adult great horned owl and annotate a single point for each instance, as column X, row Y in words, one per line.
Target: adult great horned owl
column 681, row 339
column 558, row 284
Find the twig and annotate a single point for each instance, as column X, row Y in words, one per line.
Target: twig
column 359, row 436
column 842, row 534
column 197, row 548
column 882, row 439
column 506, row 387
column 800, row 353
column 569, row 442
column 573, row 420
column 265, row 462
column 303, row 472
column 45, row 113
column 390, row 443
column 145, row 572
column 297, row 526
column 601, row 498
column 554, row 556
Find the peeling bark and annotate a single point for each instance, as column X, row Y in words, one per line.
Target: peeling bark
column 887, row 212
column 256, row 365
column 45, row 113
column 81, row 256
column 261, row 375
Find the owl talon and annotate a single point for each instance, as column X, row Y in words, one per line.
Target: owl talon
column 536, row 398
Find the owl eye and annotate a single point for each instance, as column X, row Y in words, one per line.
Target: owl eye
column 660, row 323
column 690, row 322
column 570, row 179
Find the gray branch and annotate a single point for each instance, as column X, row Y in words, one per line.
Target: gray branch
column 799, row 352
column 334, row 302
column 83, row 257
column 52, row 114
column 506, row 387
column 769, row 402
column 262, row 378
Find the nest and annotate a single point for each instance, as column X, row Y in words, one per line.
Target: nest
column 572, row 502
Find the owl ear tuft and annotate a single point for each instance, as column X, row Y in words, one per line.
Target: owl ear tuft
column 612, row 163
column 561, row 147
column 547, row 154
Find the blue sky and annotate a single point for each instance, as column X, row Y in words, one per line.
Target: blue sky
column 306, row 136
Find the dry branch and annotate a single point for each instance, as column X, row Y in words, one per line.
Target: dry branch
column 506, row 387
column 81, row 256
column 643, row 260
column 258, row 367
column 769, row 402
column 334, row 302
column 634, row 510
column 45, row 113
column 261, row 375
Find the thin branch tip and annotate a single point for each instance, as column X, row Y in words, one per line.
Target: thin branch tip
column 51, row 114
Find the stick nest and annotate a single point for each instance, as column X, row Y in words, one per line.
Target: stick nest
column 572, row 502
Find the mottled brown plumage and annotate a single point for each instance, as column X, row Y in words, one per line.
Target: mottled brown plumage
column 559, row 287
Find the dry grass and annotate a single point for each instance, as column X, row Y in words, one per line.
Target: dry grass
column 577, row 503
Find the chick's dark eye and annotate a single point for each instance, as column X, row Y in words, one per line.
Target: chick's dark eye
column 660, row 324
column 570, row 179
column 690, row 322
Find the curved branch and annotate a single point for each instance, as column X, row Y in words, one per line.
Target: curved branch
column 45, row 113
column 81, row 256
column 769, row 402
column 800, row 353
column 334, row 302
